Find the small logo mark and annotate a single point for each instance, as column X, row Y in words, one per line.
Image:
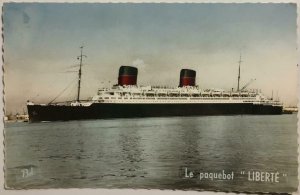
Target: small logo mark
column 27, row 172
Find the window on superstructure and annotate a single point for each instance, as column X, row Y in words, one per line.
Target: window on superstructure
column 149, row 94
column 162, row 95
column 184, row 95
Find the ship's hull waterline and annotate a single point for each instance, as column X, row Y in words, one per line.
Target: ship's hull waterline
column 39, row 113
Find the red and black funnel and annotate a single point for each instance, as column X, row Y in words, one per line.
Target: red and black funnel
column 187, row 77
column 127, row 75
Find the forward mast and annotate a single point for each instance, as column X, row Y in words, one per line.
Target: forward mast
column 79, row 73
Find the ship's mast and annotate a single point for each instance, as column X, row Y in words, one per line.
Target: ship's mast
column 79, row 72
column 239, row 75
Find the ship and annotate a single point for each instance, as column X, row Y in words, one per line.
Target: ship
column 127, row 99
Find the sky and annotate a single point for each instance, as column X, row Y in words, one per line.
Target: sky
column 42, row 40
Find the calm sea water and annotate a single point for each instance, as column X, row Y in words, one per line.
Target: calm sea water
column 153, row 153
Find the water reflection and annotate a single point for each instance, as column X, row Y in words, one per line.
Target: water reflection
column 131, row 151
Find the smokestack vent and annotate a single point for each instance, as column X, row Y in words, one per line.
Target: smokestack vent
column 187, row 77
column 127, row 75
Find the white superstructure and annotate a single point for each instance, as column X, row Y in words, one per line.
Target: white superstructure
column 187, row 94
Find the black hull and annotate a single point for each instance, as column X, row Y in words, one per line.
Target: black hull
column 101, row 111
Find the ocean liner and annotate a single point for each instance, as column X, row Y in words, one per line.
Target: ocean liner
column 127, row 100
